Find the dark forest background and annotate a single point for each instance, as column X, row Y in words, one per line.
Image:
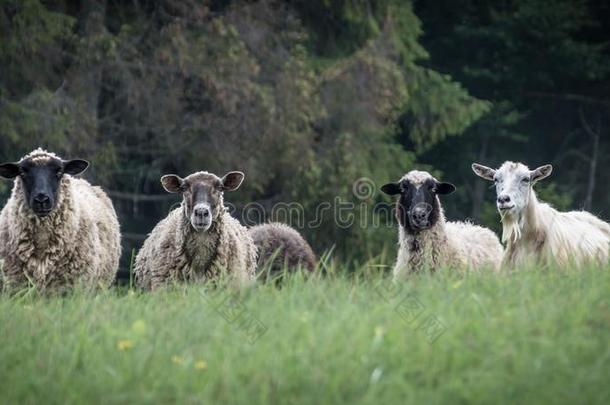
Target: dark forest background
column 307, row 96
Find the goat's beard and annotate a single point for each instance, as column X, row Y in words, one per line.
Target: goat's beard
column 511, row 227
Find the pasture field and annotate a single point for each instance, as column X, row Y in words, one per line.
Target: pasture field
column 533, row 336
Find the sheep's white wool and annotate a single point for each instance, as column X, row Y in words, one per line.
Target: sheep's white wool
column 417, row 177
column 174, row 251
column 78, row 243
column 453, row 244
column 40, row 156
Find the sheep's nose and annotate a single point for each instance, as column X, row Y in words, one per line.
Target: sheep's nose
column 202, row 212
column 503, row 199
column 42, row 198
column 420, row 213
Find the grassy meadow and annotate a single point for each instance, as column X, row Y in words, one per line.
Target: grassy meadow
column 533, row 336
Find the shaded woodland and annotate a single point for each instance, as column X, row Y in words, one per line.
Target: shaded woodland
column 307, row 97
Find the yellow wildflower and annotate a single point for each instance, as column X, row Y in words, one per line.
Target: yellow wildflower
column 177, row 360
column 139, row 326
column 201, row 365
column 125, row 344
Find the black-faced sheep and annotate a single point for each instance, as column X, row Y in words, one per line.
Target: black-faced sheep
column 199, row 241
column 534, row 231
column 281, row 247
column 426, row 240
column 56, row 230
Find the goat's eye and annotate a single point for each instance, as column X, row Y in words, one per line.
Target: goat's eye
column 525, row 180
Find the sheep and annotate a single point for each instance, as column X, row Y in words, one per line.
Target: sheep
column 281, row 247
column 535, row 232
column 57, row 231
column 198, row 241
column 426, row 240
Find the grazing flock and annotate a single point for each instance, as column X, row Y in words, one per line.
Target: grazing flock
column 58, row 231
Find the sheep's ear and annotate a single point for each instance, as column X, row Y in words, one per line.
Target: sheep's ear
column 75, row 166
column 9, row 170
column 541, row 173
column 172, row 183
column 391, row 188
column 232, row 180
column 483, row 171
column 444, row 188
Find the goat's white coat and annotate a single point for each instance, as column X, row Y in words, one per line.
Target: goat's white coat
column 536, row 232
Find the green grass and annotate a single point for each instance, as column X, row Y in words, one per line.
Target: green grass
column 527, row 337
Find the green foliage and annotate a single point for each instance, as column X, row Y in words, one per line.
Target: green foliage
column 544, row 66
column 550, row 193
column 440, row 108
column 31, row 46
column 181, row 89
column 534, row 336
column 307, row 97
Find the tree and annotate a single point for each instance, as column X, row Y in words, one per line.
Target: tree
column 540, row 63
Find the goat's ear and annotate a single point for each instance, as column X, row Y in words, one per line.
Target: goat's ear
column 391, row 188
column 541, row 173
column 9, row 170
column 232, row 180
column 483, row 171
column 444, row 188
column 75, row 166
column 172, row 183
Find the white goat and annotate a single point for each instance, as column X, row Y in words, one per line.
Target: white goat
column 536, row 232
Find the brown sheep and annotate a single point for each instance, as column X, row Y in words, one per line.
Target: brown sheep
column 282, row 245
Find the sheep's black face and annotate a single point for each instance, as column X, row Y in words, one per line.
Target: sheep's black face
column 202, row 195
column 418, row 207
column 41, row 178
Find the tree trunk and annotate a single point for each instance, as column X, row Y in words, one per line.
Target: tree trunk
column 478, row 194
column 594, row 158
column 592, row 172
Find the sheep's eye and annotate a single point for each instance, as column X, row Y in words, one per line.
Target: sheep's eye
column 525, row 180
